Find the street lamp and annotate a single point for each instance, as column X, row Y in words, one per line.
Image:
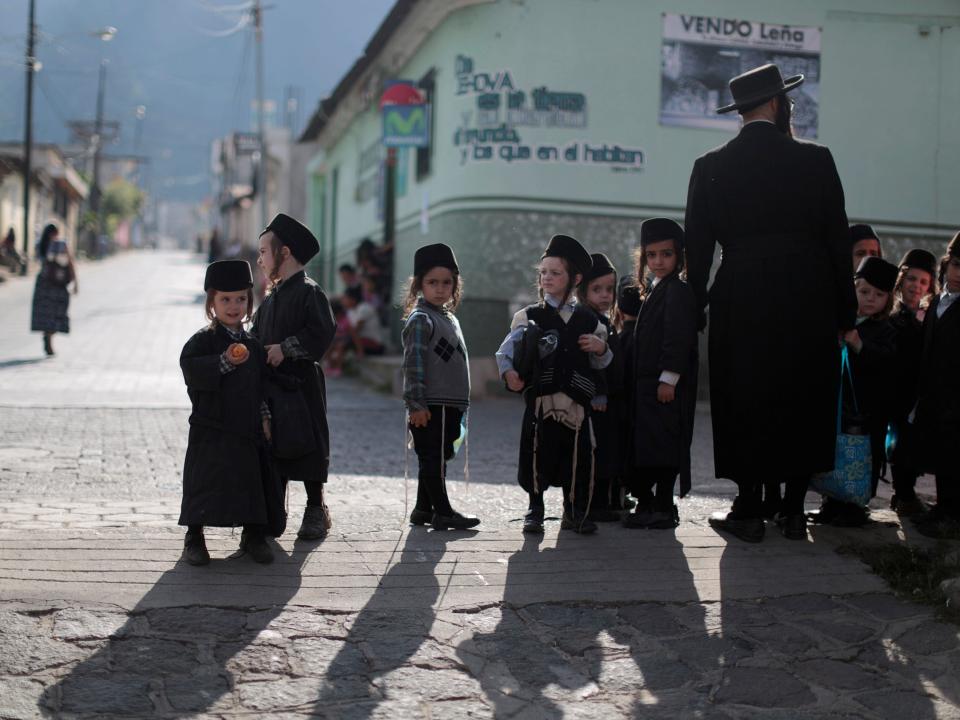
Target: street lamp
column 106, row 34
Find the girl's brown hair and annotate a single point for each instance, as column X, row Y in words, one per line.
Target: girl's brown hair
column 640, row 264
column 887, row 309
column 571, row 279
column 276, row 252
column 208, row 306
column 414, row 286
column 585, row 285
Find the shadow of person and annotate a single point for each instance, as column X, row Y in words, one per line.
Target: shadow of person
column 173, row 655
column 390, row 639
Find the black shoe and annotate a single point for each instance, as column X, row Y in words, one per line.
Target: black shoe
column 907, row 506
column 578, row 523
column 454, row 521
column 533, row 521
column 48, row 346
column 851, row 515
column 747, row 529
column 603, row 515
column 315, row 524
column 792, row 527
column 421, row 517
column 195, row 550
column 652, row 519
column 829, row 510
column 629, row 503
column 255, row 545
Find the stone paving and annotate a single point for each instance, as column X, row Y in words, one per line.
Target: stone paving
column 99, row 619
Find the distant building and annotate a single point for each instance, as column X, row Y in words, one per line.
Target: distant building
column 585, row 117
column 57, row 193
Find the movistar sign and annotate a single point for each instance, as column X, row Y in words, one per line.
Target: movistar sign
column 406, row 125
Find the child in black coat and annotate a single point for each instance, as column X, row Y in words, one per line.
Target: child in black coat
column 296, row 326
column 938, row 408
column 664, row 376
column 628, row 307
column 226, row 466
column 872, row 345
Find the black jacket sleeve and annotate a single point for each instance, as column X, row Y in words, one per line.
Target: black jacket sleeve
column 200, row 363
column 679, row 328
column 836, row 235
column 319, row 327
column 700, row 239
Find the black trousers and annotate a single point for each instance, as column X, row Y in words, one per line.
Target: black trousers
column 434, row 447
column 749, row 501
column 555, row 465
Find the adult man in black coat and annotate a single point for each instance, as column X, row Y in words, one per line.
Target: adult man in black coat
column 782, row 293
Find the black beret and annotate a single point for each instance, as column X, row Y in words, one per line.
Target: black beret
column 660, row 229
column 953, row 248
column 920, row 259
column 228, row 276
column 862, row 231
column 878, row 272
column 566, row 247
column 296, row 236
column 628, row 296
column 431, row 256
column 601, row 266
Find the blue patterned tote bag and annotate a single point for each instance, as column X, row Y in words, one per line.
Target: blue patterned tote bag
column 850, row 480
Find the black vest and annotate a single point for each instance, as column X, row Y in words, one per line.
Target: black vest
column 567, row 369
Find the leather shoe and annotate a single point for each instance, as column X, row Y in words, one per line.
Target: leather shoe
column 651, row 519
column 315, row 523
column 454, row 521
column 747, row 529
column 255, row 545
column 578, row 523
column 195, row 550
column 421, row 517
column 533, row 521
column 907, row 506
column 792, row 527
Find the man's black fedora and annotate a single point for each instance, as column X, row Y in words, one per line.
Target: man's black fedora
column 757, row 86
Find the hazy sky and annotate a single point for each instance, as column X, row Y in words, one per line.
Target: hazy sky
column 176, row 58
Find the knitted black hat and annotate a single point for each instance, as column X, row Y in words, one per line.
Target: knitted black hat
column 601, row 266
column 431, row 256
column 303, row 245
column 878, row 272
column 628, row 296
column 228, row 276
column 566, row 247
column 757, row 86
column 862, row 231
column 660, row 229
column 920, row 259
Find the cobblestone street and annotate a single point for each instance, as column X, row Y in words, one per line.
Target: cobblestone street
column 99, row 618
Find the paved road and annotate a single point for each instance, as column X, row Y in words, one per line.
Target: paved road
column 97, row 617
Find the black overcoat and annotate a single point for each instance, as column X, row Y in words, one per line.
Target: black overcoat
column 299, row 308
column 909, row 342
column 665, row 338
column 874, row 372
column 782, row 292
column 607, row 424
column 938, row 405
column 225, row 464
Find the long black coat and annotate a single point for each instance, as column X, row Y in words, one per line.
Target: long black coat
column 938, row 407
column 909, row 342
column 782, row 292
column 225, row 464
column 299, row 308
column 607, row 424
column 874, row 372
column 665, row 338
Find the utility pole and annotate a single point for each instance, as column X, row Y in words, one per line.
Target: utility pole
column 28, row 136
column 263, row 169
column 95, row 194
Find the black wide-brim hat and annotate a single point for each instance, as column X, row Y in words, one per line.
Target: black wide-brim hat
column 228, row 276
column 295, row 235
column 953, row 248
column 862, row 231
column 880, row 273
column 659, row 229
column 921, row 260
column 601, row 266
column 628, row 296
column 757, row 86
column 568, row 248
column 431, row 256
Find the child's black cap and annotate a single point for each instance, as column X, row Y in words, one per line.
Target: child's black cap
column 568, row 248
column 601, row 266
column 659, row 229
column 878, row 272
column 920, row 259
column 431, row 256
column 296, row 236
column 628, row 296
column 862, row 231
column 228, row 276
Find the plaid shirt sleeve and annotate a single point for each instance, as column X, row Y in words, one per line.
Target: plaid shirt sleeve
column 293, row 350
column 415, row 335
column 226, row 366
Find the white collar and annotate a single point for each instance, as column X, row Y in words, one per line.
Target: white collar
column 751, row 122
column 554, row 301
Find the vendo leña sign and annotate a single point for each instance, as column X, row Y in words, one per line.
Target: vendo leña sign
column 406, row 116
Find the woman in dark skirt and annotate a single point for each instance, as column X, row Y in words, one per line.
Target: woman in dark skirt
column 51, row 297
